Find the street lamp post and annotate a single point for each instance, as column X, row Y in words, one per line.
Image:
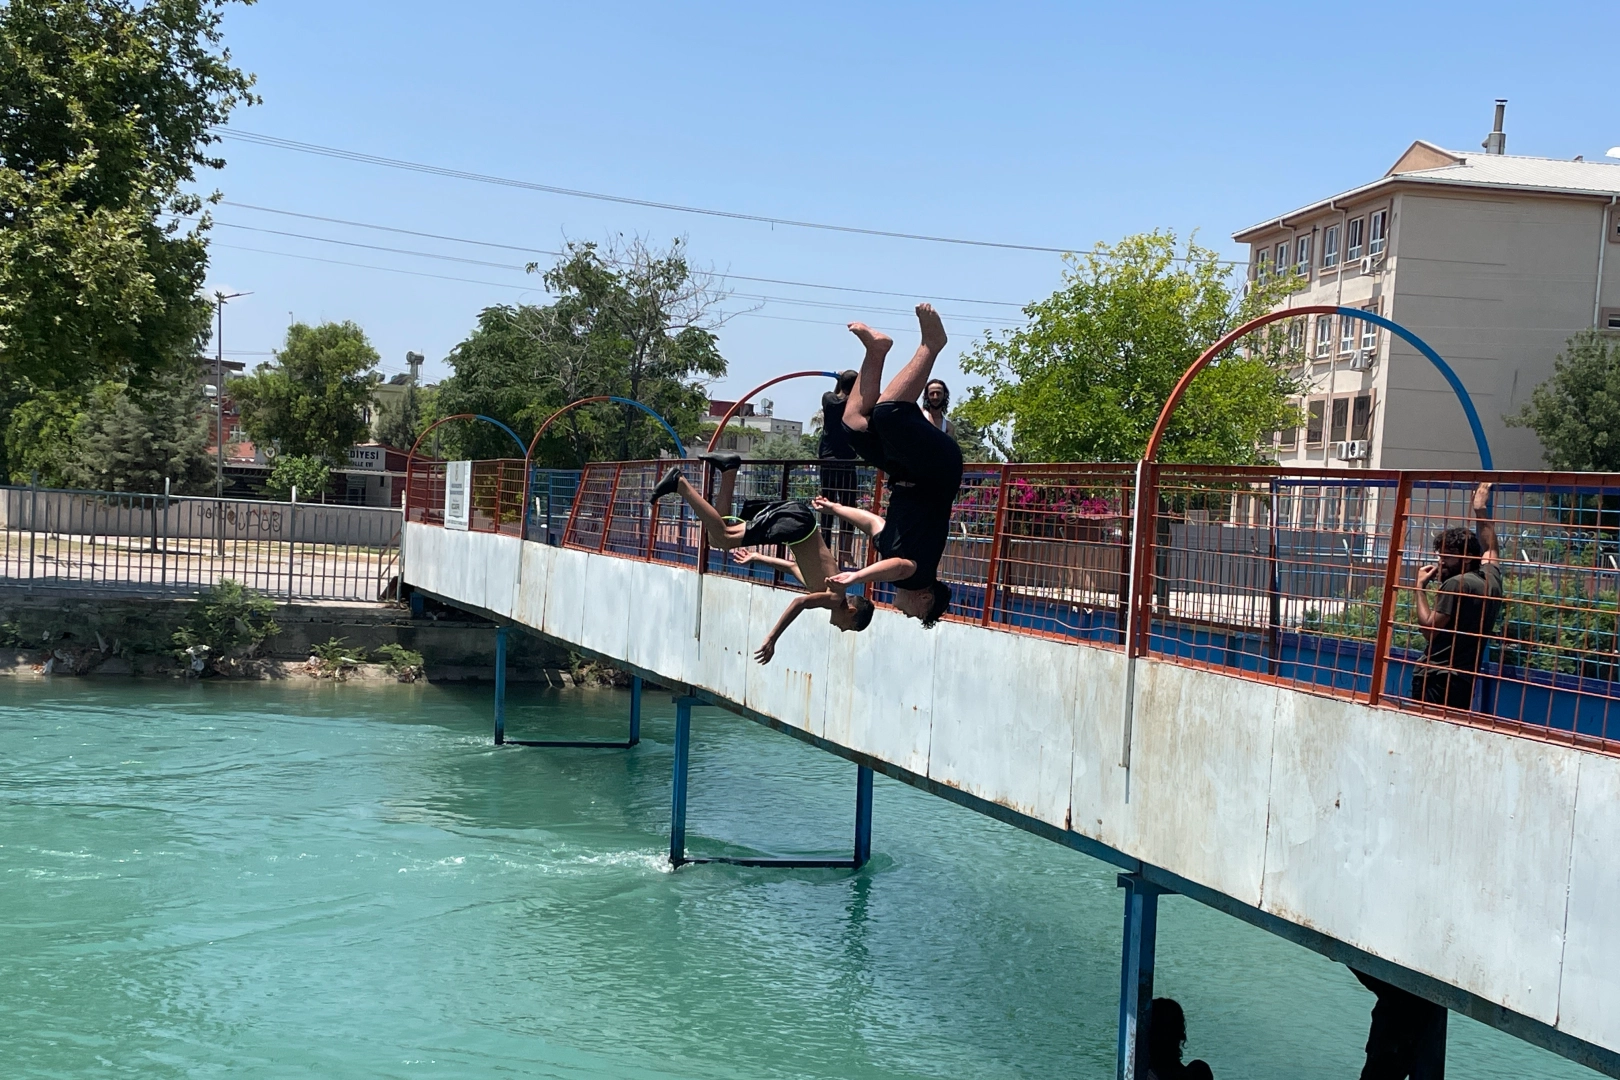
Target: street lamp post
column 219, row 415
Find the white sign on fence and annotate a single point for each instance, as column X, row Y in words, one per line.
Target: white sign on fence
column 457, row 482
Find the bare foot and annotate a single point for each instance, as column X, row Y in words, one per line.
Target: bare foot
column 933, row 331
column 874, row 340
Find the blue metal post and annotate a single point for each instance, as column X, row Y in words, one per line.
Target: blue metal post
column 500, row 685
column 1136, row 975
column 677, row 810
column 863, row 815
column 635, row 709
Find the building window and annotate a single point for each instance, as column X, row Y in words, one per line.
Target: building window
column 1352, row 238
column 1296, row 335
column 1330, row 247
column 1369, row 331
column 1609, row 319
column 1361, row 417
column 1324, row 336
column 1377, row 232
column 1347, row 335
column 1302, row 256
column 1282, row 258
column 1313, row 422
column 1339, row 419
column 1289, row 438
column 1261, row 261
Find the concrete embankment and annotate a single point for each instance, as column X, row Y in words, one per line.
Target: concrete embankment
column 93, row 633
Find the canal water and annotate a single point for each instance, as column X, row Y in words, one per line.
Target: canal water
column 296, row 880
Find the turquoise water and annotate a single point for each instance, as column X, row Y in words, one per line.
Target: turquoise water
column 339, row 881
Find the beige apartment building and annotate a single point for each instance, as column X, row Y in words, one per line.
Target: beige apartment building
column 1492, row 259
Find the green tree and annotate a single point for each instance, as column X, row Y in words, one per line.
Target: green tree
column 1086, row 378
column 1576, row 413
column 133, row 440
column 628, row 320
column 107, row 108
column 785, row 446
column 310, row 401
column 401, row 422
column 308, row 473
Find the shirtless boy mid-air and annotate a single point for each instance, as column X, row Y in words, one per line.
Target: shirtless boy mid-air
column 922, row 465
column 790, row 521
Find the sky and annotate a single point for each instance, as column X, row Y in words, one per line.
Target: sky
column 1045, row 125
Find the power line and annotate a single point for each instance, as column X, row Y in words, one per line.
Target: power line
column 545, row 251
column 521, row 269
column 520, row 288
column 551, row 189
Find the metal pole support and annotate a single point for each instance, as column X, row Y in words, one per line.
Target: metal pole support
column 677, row 810
column 1136, row 975
column 635, row 710
column 863, row 815
column 500, row 685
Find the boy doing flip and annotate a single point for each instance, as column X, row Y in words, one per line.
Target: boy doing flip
column 790, row 521
column 921, row 463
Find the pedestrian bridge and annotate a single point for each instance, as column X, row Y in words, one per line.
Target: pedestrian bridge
column 1196, row 674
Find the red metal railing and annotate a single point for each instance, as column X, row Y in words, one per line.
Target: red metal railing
column 1300, row 577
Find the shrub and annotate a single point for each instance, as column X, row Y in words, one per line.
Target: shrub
column 228, row 622
column 404, row 664
column 333, row 659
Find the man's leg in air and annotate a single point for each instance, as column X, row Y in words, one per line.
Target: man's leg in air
column 863, row 396
column 722, row 534
column 909, row 384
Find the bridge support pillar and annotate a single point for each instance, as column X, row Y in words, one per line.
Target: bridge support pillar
column 635, row 710
column 500, row 685
column 1136, row 975
column 677, row 810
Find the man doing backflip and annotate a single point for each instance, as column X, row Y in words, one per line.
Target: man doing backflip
column 921, row 464
column 789, row 521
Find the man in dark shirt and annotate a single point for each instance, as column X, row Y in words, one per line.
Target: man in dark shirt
column 1463, row 617
column 921, row 464
column 839, row 481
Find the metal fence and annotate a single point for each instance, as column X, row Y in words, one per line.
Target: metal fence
column 180, row 545
column 1300, row 577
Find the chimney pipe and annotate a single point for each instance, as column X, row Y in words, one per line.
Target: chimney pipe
column 1496, row 141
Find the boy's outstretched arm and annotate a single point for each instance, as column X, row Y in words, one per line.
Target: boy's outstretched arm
column 864, row 520
column 742, row 555
column 800, row 603
column 1484, row 528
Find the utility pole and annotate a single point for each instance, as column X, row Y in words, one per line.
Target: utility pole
column 219, row 416
column 219, row 390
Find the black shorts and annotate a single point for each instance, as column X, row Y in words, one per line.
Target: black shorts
column 787, row 522
column 899, row 440
column 1443, row 686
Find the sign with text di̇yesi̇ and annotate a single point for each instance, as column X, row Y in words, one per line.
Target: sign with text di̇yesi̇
column 457, row 484
column 368, row 459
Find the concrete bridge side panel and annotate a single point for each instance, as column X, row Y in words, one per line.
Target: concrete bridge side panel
column 424, row 557
column 1200, row 771
column 891, row 693
column 1589, row 997
column 1443, row 848
column 535, row 583
column 611, row 601
column 724, row 647
column 565, row 595
column 663, row 622
column 1097, row 786
column 793, row 686
column 1003, row 724
column 498, row 573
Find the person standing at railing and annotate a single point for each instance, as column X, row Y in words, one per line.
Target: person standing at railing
column 787, row 521
column 1466, row 608
column 922, row 465
column 839, row 481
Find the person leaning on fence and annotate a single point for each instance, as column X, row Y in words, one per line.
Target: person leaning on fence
column 785, row 521
column 1463, row 617
column 839, row 480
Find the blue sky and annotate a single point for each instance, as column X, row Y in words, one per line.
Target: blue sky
column 1050, row 125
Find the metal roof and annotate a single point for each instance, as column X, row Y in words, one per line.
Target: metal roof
column 1498, row 171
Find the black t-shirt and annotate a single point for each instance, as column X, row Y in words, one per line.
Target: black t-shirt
column 1473, row 603
column 916, row 527
column 834, row 435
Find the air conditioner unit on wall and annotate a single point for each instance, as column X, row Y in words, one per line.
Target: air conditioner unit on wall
column 1363, row 359
column 1369, row 263
column 1352, row 450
